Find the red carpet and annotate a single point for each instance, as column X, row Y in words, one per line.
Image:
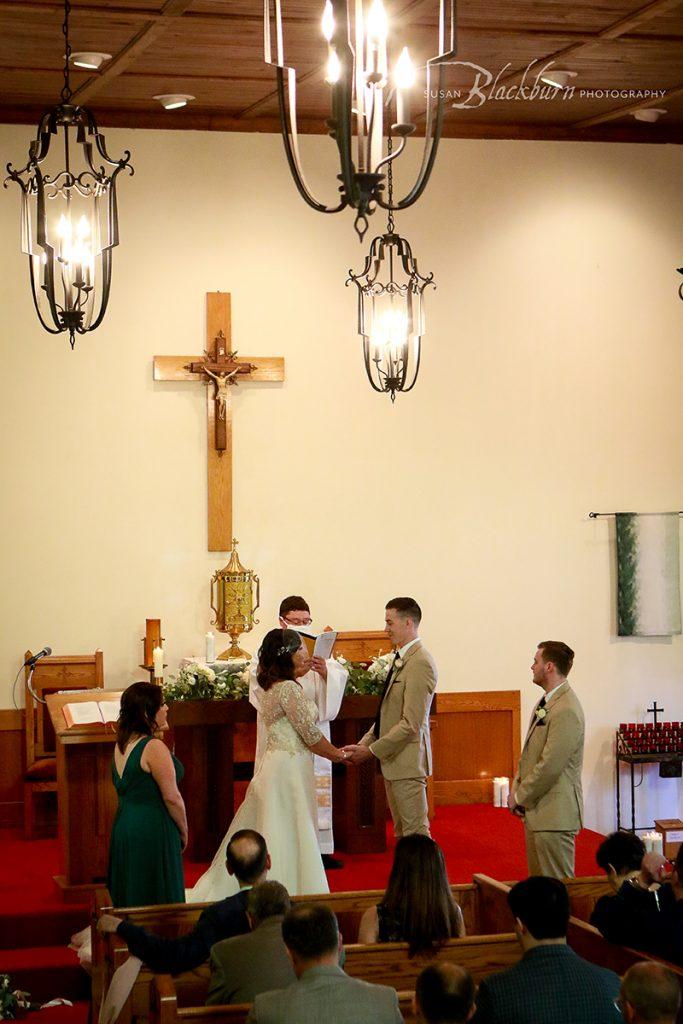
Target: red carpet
column 35, row 925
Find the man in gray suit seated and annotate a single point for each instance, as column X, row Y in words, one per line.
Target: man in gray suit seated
column 245, row 965
column 323, row 992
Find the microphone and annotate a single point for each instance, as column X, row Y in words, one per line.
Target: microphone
column 46, row 652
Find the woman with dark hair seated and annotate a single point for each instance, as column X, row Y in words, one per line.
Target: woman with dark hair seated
column 280, row 801
column 150, row 828
column 418, row 905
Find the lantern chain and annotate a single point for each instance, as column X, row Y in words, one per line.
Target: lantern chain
column 390, row 182
column 66, row 90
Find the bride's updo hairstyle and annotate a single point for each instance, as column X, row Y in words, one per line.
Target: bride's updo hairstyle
column 139, row 706
column 275, row 660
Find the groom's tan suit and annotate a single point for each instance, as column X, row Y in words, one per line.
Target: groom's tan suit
column 548, row 784
column 403, row 747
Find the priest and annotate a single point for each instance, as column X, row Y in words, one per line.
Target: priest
column 324, row 684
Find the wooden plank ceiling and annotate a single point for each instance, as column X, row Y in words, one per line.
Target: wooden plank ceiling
column 627, row 56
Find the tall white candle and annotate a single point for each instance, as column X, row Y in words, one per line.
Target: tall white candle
column 210, row 647
column 158, row 660
column 504, row 791
column 496, row 792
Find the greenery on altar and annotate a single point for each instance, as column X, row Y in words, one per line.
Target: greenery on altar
column 367, row 678
column 199, row 682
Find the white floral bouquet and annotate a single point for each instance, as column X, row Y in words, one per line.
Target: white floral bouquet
column 367, row 678
column 199, row 682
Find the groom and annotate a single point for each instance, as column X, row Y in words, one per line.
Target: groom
column 400, row 736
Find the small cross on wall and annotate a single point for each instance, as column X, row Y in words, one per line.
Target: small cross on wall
column 654, row 710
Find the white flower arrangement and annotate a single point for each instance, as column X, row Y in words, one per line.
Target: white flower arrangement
column 199, row 682
column 367, row 679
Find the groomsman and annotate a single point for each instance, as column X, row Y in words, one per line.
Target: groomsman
column 400, row 736
column 324, row 684
column 547, row 792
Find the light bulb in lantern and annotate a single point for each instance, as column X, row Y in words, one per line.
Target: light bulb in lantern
column 328, row 21
column 389, row 334
column 333, row 70
column 405, row 77
column 377, row 23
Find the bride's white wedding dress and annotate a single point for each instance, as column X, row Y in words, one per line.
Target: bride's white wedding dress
column 280, row 801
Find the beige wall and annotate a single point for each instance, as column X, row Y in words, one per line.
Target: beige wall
column 550, row 386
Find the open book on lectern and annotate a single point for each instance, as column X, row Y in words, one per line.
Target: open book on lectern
column 92, row 712
column 318, row 645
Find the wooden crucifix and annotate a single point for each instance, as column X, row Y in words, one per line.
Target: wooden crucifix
column 221, row 370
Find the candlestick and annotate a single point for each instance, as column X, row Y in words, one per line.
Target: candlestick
column 504, row 791
column 152, row 638
column 158, row 660
column 210, row 641
column 496, row 792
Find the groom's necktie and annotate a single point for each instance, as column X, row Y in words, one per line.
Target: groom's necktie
column 387, row 682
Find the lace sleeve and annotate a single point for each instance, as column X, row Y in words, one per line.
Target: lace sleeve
column 300, row 712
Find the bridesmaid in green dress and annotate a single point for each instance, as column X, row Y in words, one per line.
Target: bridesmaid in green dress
column 150, row 828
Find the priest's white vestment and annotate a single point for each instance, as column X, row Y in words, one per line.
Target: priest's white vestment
column 327, row 697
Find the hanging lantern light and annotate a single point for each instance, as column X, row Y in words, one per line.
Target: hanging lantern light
column 69, row 215
column 356, row 33
column 391, row 317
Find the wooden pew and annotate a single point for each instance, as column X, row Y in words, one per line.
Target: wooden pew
column 175, row 919
column 180, row 1000
column 165, row 1009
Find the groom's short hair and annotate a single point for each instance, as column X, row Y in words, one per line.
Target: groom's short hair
column 246, row 855
column 406, row 606
column 295, row 603
column 311, row 931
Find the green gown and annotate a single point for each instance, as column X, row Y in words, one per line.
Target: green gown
column 145, row 857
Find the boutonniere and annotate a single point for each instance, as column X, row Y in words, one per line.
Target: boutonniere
column 398, row 664
column 540, row 715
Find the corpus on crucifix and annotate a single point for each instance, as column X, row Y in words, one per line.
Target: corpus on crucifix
column 220, row 369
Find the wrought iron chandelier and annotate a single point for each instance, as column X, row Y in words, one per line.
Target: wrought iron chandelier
column 357, row 37
column 391, row 318
column 69, row 215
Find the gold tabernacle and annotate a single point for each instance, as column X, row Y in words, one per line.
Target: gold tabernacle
column 234, row 602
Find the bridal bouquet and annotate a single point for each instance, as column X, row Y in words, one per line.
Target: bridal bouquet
column 13, row 1002
column 367, row 678
column 199, row 682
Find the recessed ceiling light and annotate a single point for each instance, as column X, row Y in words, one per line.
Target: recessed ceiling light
column 558, row 79
column 649, row 114
column 90, row 59
column 173, row 100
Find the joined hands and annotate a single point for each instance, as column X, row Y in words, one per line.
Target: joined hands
column 356, row 753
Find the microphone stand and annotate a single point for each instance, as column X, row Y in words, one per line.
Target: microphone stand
column 30, row 689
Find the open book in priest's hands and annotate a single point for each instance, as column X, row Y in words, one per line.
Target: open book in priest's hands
column 318, row 645
column 92, row 712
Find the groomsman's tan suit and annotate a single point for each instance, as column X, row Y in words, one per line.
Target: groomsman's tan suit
column 548, row 784
column 403, row 748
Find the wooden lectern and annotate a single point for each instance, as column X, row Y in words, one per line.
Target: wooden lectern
column 87, row 799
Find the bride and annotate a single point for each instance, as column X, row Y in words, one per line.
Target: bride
column 280, row 801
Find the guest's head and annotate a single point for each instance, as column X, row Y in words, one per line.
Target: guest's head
column 540, row 907
column 269, row 899
column 247, row 857
column 418, row 899
column 650, row 993
column 620, row 854
column 282, row 656
column 552, row 663
column 402, row 616
column 444, row 994
column 311, row 935
column 294, row 611
column 143, row 712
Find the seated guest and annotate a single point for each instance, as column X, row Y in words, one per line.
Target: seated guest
column 323, row 991
column 249, row 861
column 418, row 906
column 550, row 984
column 444, row 994
column 245, row 965
column 650, row 994
column 669, row 938
column 631, row 916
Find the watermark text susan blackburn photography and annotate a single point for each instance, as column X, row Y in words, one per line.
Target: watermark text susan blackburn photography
column 486, row 86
